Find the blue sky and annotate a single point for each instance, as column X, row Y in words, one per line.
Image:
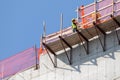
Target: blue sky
column 21, row 21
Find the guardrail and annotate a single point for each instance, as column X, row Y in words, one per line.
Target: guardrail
column 104, row 8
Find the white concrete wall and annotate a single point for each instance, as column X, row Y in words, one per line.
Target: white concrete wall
column 98, row 65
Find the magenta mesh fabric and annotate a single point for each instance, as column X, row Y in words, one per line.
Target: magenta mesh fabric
column 103, row 12
column 117, row 7
column 17, row 63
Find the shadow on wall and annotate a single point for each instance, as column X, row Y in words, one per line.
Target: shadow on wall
column 79, row 56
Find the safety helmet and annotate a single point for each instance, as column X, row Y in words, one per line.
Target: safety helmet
column 73, row 19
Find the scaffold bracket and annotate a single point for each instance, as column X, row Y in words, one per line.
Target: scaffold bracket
column 69, row 59
column 55, row 56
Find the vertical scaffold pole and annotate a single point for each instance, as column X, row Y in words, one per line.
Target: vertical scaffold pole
column 95, row 8
column 61, row 24
column 97, row 27
column 36, row 54
column 44, row 29
column 113, row 3
column 77, row 14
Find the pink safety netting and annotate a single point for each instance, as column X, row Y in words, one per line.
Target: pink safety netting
column 104, row 8
column 17, row 63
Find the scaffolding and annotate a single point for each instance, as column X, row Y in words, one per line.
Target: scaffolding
column 65, row 39
column 100, row 18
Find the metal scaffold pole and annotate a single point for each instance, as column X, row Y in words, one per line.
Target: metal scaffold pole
column 44, row 31
column 44, row 28
column 77, row 14
column 37, row 61
column 113, row 4
column 95, row 1
column 61, row 24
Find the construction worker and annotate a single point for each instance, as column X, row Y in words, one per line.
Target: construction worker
column 95, row 16
column 74, row 25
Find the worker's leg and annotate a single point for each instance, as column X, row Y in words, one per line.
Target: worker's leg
column 74, row 29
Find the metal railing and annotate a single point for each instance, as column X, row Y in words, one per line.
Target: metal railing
column 105, row 8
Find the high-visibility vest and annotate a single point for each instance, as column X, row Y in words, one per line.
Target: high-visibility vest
column 73, row 25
